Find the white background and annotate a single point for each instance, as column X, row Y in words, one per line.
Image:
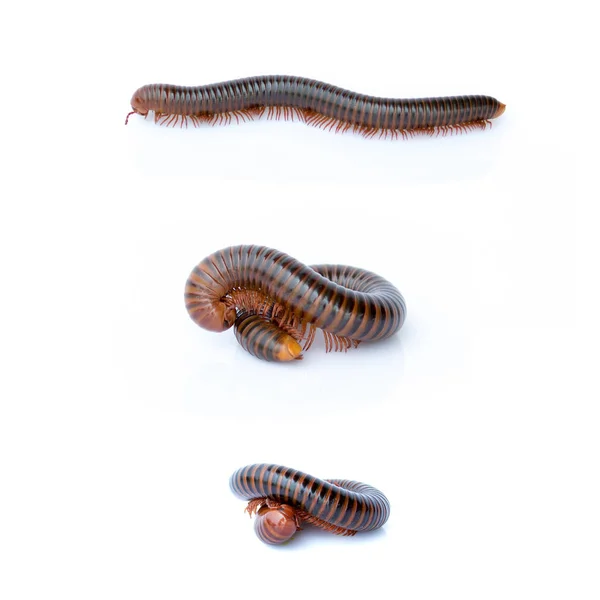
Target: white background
column 121, row 421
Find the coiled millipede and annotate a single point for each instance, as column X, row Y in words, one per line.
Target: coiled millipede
column 275, row 303
column 284, row 498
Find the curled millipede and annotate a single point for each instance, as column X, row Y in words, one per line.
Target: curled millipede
column 315, row 103
column 284, row 498
column 275, row 303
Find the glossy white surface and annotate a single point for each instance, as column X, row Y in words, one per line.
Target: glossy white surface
column 121, row 421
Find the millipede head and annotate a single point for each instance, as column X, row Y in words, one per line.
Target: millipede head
column 217, row 317
column 139, row 103
column 275, row 525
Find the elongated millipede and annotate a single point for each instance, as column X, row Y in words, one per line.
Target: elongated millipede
column 315, row 103
column 275, row 302
column 285, row 498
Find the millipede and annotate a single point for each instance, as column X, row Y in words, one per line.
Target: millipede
column 315, row 103
column 283, row 499
column 276, row 303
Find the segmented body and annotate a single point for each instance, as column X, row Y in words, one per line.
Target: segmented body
column 276, row 302
column 315, row 103
column 338, row 505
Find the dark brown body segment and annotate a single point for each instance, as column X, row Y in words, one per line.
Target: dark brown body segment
column 276, row 302
column 316, row 103
column 338, row 504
